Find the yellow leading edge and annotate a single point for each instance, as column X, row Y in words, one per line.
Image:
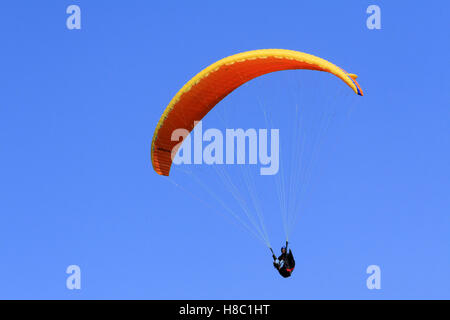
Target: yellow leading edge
column 200, row 94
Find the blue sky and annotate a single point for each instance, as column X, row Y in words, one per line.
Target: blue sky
column 77, row 113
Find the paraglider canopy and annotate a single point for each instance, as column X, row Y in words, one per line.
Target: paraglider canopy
column 200, row 94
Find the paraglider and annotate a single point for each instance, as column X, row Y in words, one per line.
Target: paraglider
column 205, row 90
column 285, row 263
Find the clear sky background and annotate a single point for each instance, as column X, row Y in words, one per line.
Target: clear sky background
column 77, row 113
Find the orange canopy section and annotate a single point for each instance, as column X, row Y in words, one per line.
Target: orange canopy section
column 200, row 94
